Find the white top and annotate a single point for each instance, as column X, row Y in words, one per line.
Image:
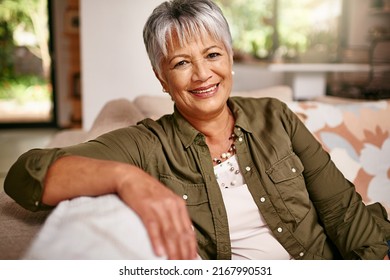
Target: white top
column 249, row 234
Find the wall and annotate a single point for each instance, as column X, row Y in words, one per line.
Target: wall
column 61, row 61
column 114, row 62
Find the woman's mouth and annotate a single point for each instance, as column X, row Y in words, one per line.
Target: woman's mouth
column 205, row 91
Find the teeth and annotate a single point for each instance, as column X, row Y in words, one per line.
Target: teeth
column 204, row 91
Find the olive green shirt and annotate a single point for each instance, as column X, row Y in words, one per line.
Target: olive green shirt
column 311, row 209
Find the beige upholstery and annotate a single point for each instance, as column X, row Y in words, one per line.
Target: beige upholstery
column 17, row 227
column 283, row 93
column 154, row 106
column 114, row 114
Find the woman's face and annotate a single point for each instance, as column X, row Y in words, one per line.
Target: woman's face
column 198, row 76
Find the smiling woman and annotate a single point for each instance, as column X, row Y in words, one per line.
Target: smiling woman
column 198, row 76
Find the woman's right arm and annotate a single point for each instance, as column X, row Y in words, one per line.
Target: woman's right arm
column 73, row 176
column 46, row 177
column 163, row 213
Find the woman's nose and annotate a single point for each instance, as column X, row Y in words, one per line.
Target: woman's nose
column 201, row 70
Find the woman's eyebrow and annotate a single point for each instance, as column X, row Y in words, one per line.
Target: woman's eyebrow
column 178, row 55
column 186, row 55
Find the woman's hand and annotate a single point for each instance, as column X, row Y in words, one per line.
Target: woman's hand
column 163, row 213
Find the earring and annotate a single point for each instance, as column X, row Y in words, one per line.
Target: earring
column 164, row 90
column 233, row 73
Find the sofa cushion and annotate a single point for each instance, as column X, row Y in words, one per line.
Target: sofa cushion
column 156, row 106
column 283, row 93
column 67, row 137
column 115, row 114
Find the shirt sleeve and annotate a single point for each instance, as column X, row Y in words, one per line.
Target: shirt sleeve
column 345, row 218
column 25, row 179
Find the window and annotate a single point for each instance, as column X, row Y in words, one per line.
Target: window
column 26, row 91
column 284, row 29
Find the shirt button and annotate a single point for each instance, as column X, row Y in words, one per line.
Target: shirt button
column 279, row 229
column 239, row 128
column 37, row 203
column 185, row 197
column 262, row 199
column 293, row 170
column 301, row 254
column 247, row 168
column 240, row 139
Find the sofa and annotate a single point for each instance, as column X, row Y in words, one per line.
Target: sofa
column 356, row 133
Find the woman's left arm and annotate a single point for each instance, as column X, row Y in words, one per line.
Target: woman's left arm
column 345, row 218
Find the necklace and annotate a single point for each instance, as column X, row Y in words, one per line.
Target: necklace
column 230, row 152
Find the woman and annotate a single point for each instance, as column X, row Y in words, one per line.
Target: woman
column 221, row 177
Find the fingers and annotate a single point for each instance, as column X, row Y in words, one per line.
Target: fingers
column 156, row 238
column 170, row 229
column 189, row 237
column 180, row 237
column 163, row 213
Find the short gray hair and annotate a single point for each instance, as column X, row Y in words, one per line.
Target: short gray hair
column 186, row 19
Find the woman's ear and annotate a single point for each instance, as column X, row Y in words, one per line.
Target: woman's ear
column 161, row 80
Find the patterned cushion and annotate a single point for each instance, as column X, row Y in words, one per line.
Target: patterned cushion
column 357, row 136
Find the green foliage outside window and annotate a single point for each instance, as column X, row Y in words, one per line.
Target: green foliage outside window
column 6, row 50
column 24, row 18
column 251, row 25
column 288, row 28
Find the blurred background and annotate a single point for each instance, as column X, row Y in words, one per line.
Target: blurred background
column 61, row 60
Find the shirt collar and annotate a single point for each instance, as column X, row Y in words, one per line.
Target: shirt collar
column 186, row 131
column 240, row 117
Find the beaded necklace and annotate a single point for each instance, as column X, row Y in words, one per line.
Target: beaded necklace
column 230, row 152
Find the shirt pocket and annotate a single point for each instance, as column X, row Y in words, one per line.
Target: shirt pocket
column 196, row 198
column 193, row 194
column 286, row 174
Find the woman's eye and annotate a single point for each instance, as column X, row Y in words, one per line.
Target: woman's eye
column 213, row 55
column 181, row 63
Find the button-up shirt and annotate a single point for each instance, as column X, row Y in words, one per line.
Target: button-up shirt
column 310, row 208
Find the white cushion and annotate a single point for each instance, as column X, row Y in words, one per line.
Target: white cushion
column 92, row 228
